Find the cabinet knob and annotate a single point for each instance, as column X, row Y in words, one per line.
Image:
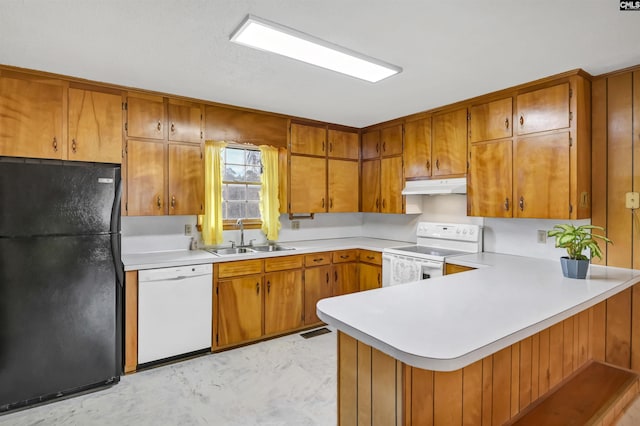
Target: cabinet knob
column 55, row 144
column 521, row 204
column 506, row 123
column 377, row 203
column 268, row 286
column 384, row 146
column 323, row 202
column 344, row 256
column 74, row 146
column 335, row 276
column 158, row 202
column 428, row 165
column 173, row 128
column 522, row 120
column 327, row 278
column 377, row 147
column 330, row 202
column 322, row 146
column 378, row 278
column 318, row 259
column 330, row 146
column 173, row 201
column 506, row 204
column 257, row 288
column 159, row 126
column 437, row 164
column 384, row 203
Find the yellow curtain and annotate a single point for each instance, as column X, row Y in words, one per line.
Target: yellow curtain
column 269, row 202
column 212, row 224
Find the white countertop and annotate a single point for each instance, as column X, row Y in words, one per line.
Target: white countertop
column 170, row 258
column 447, row 323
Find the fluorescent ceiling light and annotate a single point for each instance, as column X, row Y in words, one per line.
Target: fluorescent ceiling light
column 264, row 35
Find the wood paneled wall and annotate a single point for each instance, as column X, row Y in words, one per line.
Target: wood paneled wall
column 616, row 163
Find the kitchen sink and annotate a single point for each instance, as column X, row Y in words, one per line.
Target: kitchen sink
column 231, row 250
column 271, row 247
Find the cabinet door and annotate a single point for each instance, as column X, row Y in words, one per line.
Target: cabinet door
column 145, row 117
column 317, row 285
column 308, row 185
column 283, row 301
column 541, row 176
column 417, row 148
column 544, row 109
column 309, row 140
column 95, row 126
column 345, row 278
column 30, row 118
column 343, row 144
column 343, row 184
column 449, row 145
column 491, row 120
column 489, row 189
column 145, row 178
column 391, row 140
column 371, row 144
column 186, row 180
column 370, row 277
column 185, row 121
column 239, row 310
column 370, row 186
column 391, row 184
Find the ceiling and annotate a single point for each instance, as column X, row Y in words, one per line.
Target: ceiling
column 449, row 50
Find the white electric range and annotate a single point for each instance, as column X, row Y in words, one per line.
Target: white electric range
column 435, row 243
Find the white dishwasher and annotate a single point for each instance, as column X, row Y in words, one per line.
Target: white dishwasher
column 174, row 311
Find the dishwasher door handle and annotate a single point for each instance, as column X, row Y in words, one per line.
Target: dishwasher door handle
column 178, row 278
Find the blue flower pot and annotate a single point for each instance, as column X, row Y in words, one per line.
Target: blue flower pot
column 573, row 268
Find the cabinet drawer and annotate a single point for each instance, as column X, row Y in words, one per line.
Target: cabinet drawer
column 283, row 263
column 345, row 256
column 242, row 267
column 370, row 256
column 317, row 259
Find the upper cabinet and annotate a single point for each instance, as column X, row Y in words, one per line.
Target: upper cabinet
column 449, row 143
column 391, row 140
column 185, row 121
column 417, row 148
column 371, row 144
column 243, row 126
column 544, row 109
column 31, row 117
column 491, row 120
column 309, row 140
column 343, row 144
column 145, row 116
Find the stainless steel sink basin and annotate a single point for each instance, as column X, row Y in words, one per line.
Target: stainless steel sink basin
column 271, row 247
column 231, row 250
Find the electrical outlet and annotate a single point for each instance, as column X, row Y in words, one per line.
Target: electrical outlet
column 187, row 229
column 542, row 236
column 295, row 224
column 632, row 200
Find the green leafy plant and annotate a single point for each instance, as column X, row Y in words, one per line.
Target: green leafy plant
column 577, row 239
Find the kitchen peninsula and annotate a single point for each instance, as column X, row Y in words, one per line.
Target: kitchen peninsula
column 470, row 348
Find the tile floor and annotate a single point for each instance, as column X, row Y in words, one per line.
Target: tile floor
column 284, row 381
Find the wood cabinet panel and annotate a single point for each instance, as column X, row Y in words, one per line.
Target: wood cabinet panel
column 449, row 144
column 369, row 276
column 547, row 159
column 186, row 180
column 543, row 109
column 241, row 267
column 95, row 126
column 283, row 301
column 230, row 124
column 343, row 144
column 491, row 120
column 370, row 186
column 131, row 321
column 145, row 116
column 391, row 184
column 391, row 140
column 239, row 310
column 447, row 396
column 283, row 263
column 310, row 140
column 145, row 178
column 341, row 256
column 636, row 163
column 370, row 256
column 185, row 121
column 317, row 285
column 347, row 380
column 450, row 268
column 343, row 176
column 317, row 259
column 383, row 386
column 345, row 278
column 308, row 184
column 489, row 182
column 371, row 144
column 31, row 118
column 417, row 148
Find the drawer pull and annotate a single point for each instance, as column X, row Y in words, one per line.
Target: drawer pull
column 506, row 123
column 159, row 126
column 370, row 257
column 318, row 259
column 158, row 202
column 344, row 256
column 74, row 146
column 55, row 145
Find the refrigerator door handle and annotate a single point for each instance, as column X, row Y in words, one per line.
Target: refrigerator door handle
column 115, row 234
column 115, row 209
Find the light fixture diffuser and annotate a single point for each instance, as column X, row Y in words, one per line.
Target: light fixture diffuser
column 271, row 37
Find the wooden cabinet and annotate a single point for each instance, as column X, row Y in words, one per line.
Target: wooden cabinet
column 318, row 285
column 308, row 184
column 391, row 140
column 239, row 310
column 145, row 116
column 342, row 256
column 345, row 278
column 489, row 189
column 371, row 144
column 31, row 118
column 145, row 178
column 370, row 277
column 491, row 120
column 544, row 109
column 449, row 144
column 309, row 140
column 391, row 184
column 283, row 302
column 95, row 126
column 417, row 148
column 186, row 180
column 343, row 144
column 370, row 186
column 317, row 259
column 450, row 268
column 342, row 177
column 185, row 121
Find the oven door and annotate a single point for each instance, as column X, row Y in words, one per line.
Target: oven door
column 397, row 269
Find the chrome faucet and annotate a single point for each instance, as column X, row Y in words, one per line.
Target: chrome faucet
column 240, row 224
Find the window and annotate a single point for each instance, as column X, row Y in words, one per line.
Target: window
column 241, row 184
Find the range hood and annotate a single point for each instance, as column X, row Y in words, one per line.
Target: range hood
column 435, row 186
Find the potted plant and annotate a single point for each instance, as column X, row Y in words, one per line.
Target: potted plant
column 576, row 240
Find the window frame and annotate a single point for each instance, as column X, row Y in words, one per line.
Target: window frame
column 248, row 223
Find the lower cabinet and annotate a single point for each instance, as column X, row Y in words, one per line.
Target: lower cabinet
column 370, row 277
column 345, row 278
column 450, row 268
column 239, row 309
column 283, row 301
column 317, row 285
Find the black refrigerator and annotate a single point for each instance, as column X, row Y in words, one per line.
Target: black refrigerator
column 61, row 279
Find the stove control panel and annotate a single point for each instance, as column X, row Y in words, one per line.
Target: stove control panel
column 448, row 231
